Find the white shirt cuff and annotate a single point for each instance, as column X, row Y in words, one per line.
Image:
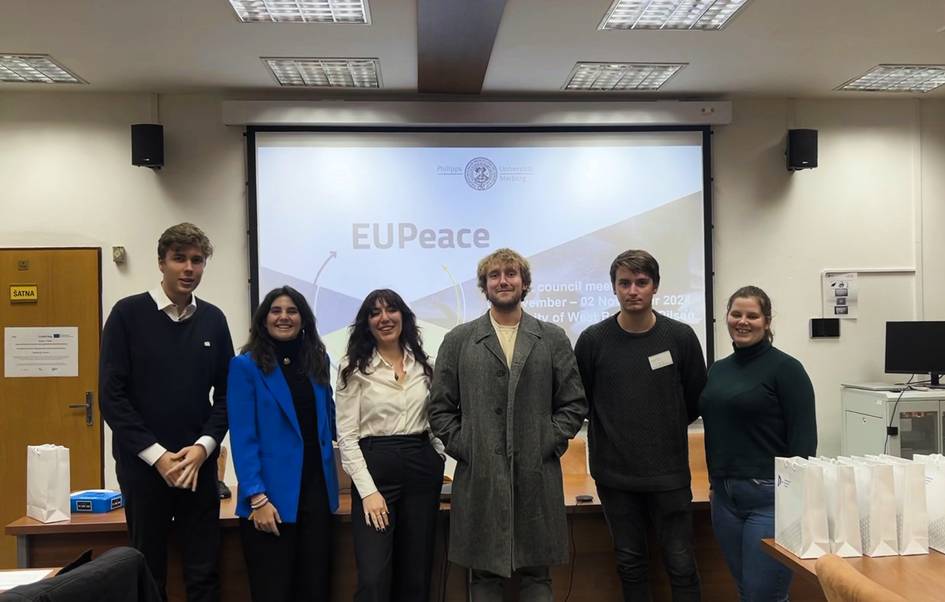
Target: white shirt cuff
column 364, row 483
column 152, row 454
column 208, row 443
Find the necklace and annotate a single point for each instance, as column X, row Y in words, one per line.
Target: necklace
column 393, row 365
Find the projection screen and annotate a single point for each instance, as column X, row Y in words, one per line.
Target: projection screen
column 337, row 214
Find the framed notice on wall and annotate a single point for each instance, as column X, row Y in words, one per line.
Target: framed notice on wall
column 40, row 352
column 840, row 295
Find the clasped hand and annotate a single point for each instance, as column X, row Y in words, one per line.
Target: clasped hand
column 180, row 469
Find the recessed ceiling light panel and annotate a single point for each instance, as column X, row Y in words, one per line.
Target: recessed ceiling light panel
column 621, row 76
column 35, row 68
column 898, row 78
column 326, row 72
column 670, row 14
column 302, row 11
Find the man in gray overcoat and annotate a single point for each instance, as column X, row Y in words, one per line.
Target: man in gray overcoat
column 506, row 398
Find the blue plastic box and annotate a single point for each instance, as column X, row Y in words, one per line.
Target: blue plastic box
column 96, row 500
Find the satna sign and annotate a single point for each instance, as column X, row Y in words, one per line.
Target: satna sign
column 24, row 293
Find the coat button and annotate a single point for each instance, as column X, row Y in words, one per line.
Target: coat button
column 498, row 450
column 498, row 410
column 500, row 373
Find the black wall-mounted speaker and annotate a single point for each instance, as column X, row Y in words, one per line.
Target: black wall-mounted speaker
column 147, row 145
column 824, row 328
column 801, row 149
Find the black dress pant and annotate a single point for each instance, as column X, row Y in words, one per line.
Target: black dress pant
column 395, row 565
column 534, row 585
column 296, row 564
column 150, row 505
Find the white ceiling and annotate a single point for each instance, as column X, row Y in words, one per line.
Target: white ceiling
column 795, row 48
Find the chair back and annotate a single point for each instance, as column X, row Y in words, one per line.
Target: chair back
column 118, row 575
column 843, row 583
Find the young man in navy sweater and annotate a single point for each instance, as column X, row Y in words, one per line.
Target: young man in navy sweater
column 163, row 352
column 643, row 373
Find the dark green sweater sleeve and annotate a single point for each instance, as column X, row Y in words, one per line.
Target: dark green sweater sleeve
column 796, row 394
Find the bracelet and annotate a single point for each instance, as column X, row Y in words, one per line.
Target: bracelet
column 259, row 504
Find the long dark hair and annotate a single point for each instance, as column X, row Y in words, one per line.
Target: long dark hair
column 361, row 343
column 261, row 346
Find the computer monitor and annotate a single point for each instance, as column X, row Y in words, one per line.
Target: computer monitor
column 916, row 348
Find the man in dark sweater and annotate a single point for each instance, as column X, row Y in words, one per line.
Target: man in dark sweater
column 163, row 352
column 643, row 373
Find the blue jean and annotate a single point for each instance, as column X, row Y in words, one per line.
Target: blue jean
column 743, row 515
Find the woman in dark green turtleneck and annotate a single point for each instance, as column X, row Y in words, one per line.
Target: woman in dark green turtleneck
column 758, row 403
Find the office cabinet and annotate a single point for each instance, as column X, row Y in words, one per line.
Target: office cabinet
column 916, row 418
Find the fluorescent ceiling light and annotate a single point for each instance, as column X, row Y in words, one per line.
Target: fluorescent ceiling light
column 302, row 11
column 621, row 76
column 670, row 14
column 898, row 78
column 326, row 72
column 34, row 68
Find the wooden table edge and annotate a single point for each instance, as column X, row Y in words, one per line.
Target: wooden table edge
column 801, row 566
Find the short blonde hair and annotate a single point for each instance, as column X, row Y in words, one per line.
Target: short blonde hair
column 504, row 257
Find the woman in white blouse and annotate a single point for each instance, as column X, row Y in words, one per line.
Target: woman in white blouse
column 395, row 464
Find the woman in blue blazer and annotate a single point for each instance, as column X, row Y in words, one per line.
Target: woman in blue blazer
column 282, row 423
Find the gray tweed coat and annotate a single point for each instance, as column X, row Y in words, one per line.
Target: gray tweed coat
column 507, row 429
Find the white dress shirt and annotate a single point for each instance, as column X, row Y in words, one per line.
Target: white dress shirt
column 376, row 404
column 154, row 452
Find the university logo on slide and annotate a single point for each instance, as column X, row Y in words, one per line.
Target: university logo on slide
column 481, row 173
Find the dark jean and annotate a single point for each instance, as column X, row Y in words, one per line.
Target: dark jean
column 743, row 515
column 534, row 585
column 670, row 513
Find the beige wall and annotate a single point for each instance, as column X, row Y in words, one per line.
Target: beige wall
column 874, row 202
column 860, row 209
column 65, row 160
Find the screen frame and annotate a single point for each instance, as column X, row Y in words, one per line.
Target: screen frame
column 705, row 130
column 913, row 326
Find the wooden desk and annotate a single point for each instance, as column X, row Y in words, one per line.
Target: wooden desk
column 593, row 566
column 919, row 578
column 38, row 544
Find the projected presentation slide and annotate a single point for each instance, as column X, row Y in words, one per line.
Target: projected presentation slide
column 341, row 214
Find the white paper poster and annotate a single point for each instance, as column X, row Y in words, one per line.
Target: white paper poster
column 840, row 294
column 41, row 351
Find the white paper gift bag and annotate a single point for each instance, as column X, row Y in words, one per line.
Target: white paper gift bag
column 47, row 483
column 843, row 512
column 875, row 495
column 912, row 516
column 935, row 497
column 800, row 513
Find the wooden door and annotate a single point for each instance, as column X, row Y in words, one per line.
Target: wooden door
column 35, row 410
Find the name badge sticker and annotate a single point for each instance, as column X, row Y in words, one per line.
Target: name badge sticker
column 661, row 360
